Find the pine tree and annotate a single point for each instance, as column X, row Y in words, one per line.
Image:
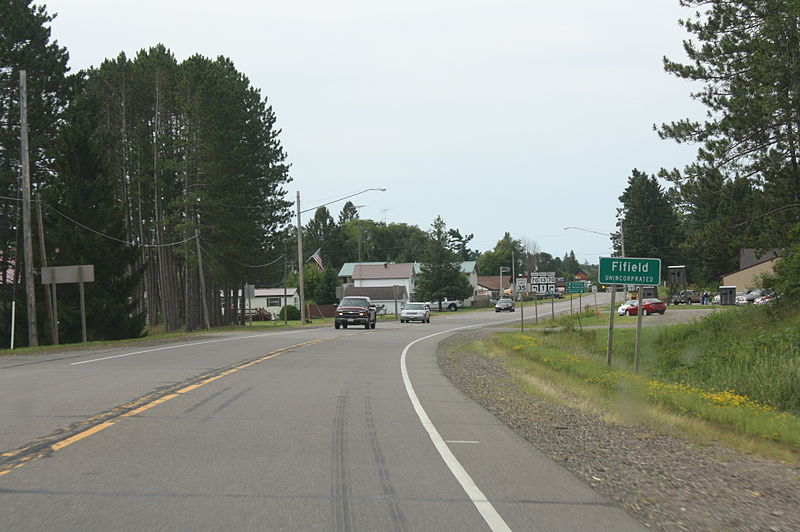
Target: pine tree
column 747, row 56
column 25, row 44
column 440, row 274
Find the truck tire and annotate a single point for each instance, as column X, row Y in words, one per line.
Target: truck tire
column 372, row 325
column 366, row 325
column 453, row 307
column 336, row 325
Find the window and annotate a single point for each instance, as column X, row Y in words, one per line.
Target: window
column 274, row 302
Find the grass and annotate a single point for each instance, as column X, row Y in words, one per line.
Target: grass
column 733, row 376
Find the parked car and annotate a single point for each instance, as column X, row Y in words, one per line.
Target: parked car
column 415, row 312
column 628, row 308
column 754, row 294
column 741, row 298
column 504, row 304
column 651, row 305
column 686, row 297
column 447, row 304
column 549, row 295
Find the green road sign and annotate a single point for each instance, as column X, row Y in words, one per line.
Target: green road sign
column 619, row 270
column 576, row 287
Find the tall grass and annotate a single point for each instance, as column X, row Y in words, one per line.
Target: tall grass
column 752, row 350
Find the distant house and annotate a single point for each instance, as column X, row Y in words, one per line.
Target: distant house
column 346, row 271
column 581, row 276
column 491, row 285
column 272, row 299
column 388, row 297
column 752, row 265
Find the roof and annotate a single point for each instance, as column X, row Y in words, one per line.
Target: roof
column 750, row 257
column 376, row 293
column 468, row 266
column 273, row 292
column 347, row 268
column 492, row 282
column 383, row 271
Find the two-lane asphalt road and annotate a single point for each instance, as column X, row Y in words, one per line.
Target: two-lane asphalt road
column 311, row 429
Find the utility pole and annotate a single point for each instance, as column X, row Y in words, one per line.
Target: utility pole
column 300, row 263
column 30, row 292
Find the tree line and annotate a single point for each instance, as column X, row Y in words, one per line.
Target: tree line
column 743, row 188
column 144, row 167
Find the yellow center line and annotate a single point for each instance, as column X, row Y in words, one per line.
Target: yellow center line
column 57, row 446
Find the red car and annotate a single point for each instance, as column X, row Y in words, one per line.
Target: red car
column 649, row 306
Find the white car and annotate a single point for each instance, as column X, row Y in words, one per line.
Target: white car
column 415, row 312
column 625, row 308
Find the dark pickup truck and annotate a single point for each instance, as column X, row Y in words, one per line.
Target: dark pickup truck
column 356, row 310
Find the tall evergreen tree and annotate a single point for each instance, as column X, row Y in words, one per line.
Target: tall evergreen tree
column 440, row 276
column 25, row 44
column 82, row 190
column 649, row 224
column 747, row 56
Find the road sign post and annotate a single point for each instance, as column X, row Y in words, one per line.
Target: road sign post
column 624, row 270
column 634, row 271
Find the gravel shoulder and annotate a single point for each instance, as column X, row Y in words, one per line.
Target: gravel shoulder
column 664, row 482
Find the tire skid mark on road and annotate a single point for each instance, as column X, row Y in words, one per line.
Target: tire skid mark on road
column 230, row 401
column 387, row 489
column 340, row 478
column 206, row 400
column 61, row 438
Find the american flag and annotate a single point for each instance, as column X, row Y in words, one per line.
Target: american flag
column 318, row 259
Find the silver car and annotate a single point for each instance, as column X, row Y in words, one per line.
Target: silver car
column 415, row 312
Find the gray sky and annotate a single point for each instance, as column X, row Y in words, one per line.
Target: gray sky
column 519, row 116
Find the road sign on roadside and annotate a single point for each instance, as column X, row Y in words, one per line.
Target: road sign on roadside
column 522, row 285
column 576, row 287
column 635, row 271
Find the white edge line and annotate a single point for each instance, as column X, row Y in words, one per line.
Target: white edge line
column 180, row 345
column 482, row 504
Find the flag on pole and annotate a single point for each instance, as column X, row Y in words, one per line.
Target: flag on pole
column 318, row 259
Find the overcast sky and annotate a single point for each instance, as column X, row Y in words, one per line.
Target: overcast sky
column 519, row 116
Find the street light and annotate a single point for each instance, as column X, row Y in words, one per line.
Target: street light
column 300, row 262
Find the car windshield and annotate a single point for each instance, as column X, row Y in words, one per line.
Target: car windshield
column 631, row 303
column 652, row 300
column 504, row 300
column 353, row 302
column 415, row 306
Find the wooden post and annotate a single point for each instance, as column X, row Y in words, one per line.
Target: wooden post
column 30, row 291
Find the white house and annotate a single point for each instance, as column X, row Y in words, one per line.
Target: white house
column 385, row 275
column 272, row 299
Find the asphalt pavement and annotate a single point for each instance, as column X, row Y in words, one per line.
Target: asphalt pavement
column 306, row 429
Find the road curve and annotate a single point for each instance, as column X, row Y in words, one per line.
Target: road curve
column 310, row 429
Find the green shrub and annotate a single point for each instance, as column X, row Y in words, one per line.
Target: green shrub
column 291, row 310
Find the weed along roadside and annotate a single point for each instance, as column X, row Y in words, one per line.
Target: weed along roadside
column 706, row 435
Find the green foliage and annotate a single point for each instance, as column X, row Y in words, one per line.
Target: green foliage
column 440, row 274
column 786, row 278
column 753, row 350
column 744, row 188
column 25, row 44
column 570, row 353
column 83, row 190
column 291, row 311
column 507, row 247
column 649, row 224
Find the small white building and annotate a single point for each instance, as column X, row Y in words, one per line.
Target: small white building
column 272, row 299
